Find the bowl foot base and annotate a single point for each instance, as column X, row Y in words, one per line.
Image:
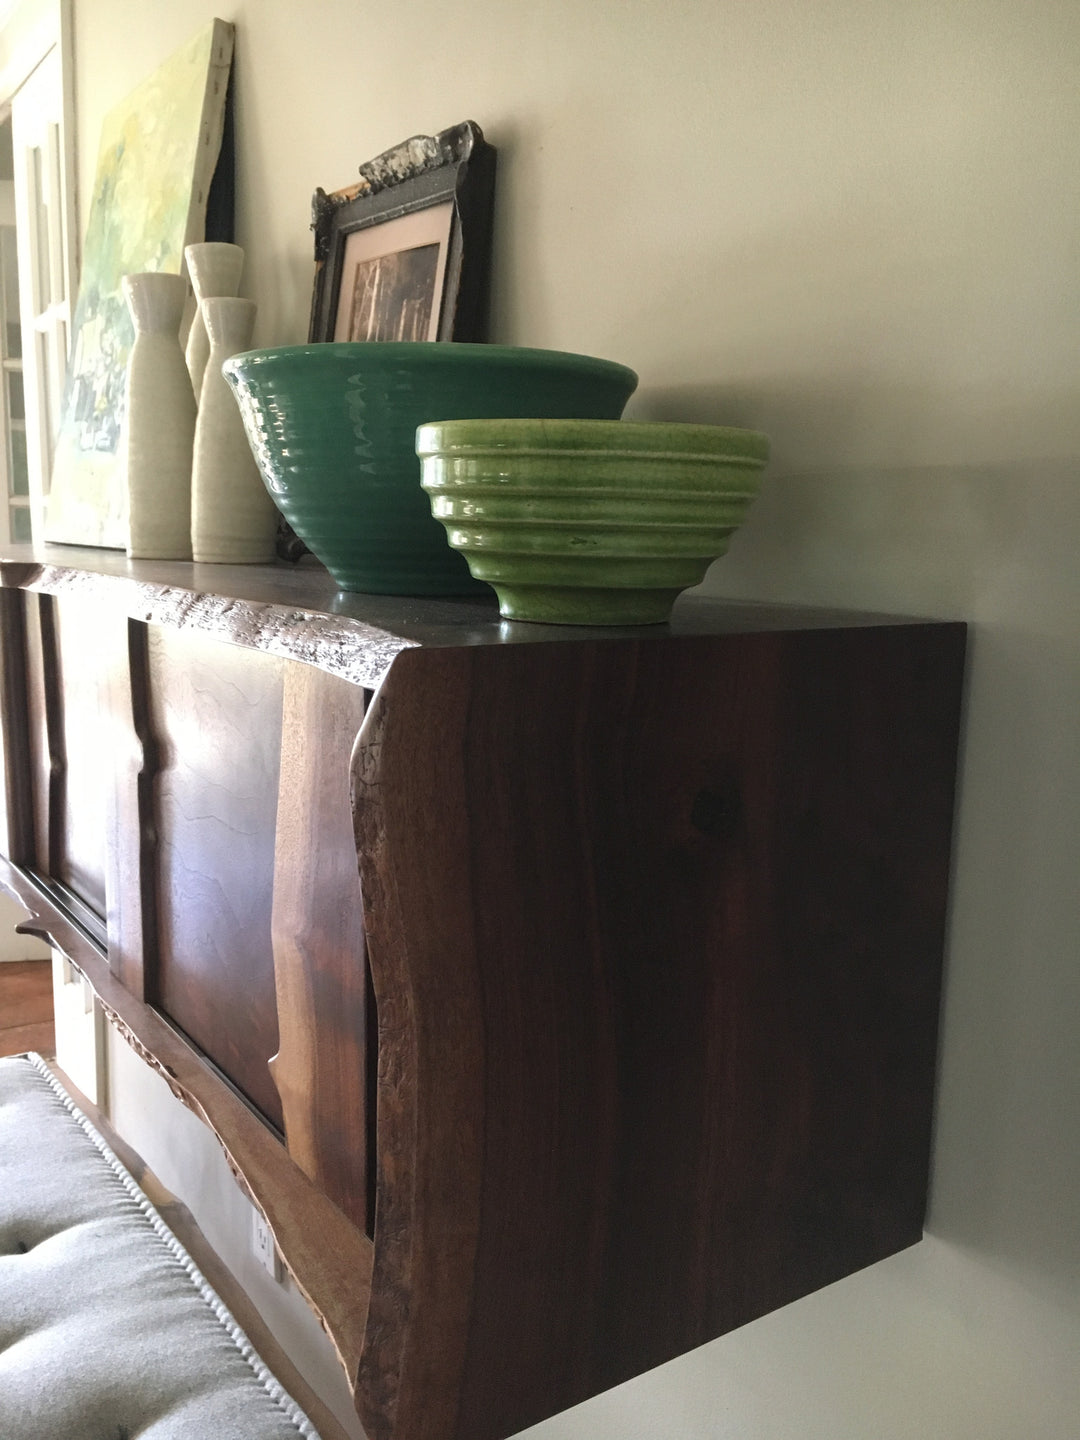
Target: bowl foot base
column 580, row 605
column 453, row 587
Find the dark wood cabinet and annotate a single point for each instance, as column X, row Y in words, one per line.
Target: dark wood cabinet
column 565, row 998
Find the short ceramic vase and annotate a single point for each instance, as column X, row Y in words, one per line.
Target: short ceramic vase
column 160, row 421
column 233, row 519
column 214, row 270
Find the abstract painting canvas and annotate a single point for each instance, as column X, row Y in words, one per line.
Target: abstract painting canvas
column 159, row 149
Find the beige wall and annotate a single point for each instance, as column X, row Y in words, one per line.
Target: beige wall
column 852, row 223
column 13, row 946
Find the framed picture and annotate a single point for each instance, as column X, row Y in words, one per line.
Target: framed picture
column 404, row 254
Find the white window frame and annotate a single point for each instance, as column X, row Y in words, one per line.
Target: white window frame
column 33, row 31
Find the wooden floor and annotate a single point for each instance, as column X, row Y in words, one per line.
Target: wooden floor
column 26, row 1008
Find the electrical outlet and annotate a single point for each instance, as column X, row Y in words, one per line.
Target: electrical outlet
column 262, row 1242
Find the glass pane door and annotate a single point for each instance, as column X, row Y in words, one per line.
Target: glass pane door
column 14, row 470
column 42, row 278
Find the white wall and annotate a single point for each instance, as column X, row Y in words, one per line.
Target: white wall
column 852, row 223
column 12, row 945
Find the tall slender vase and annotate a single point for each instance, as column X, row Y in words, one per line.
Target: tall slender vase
column 233, row 519
column 160, row 421
column 214, row 269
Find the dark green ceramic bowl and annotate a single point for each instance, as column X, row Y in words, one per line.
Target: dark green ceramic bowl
column 333, row 430
column 590, row 522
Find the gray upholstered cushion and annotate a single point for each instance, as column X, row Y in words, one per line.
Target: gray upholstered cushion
column 107, row 1330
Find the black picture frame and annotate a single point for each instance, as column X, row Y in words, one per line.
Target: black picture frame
column 454, row 170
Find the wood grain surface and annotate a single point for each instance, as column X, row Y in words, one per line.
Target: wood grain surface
column 77, row 717
column 320, row 964
column 328, row 1257
column 656, row 934
column 45, row 783
column 131, row 849
column 634, row 1003
column 297, row 612
column 16, row 802
column 215, row 714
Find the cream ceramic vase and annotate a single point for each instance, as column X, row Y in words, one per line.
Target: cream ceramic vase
column 214, row 270
column 160, row 421
column 233, row 519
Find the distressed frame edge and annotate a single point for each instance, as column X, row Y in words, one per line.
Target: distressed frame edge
column 401, row 181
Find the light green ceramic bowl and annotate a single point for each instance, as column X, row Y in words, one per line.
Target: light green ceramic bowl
column 589, row 522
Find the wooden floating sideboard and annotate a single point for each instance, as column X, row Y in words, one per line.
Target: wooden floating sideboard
column 565, row 998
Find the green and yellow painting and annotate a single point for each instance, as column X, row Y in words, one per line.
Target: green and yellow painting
column 158, row 152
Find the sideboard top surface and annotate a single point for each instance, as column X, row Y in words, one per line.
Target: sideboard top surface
column 298, row 612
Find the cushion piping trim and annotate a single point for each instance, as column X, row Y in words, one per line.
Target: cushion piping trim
column 272, row 1386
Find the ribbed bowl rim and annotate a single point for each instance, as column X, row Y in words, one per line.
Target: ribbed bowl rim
column 384, row 354
column 644, row 439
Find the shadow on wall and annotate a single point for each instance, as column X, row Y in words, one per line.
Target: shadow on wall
column 520, row 199
column 855, row 420
column 994, row 543
column 902, row 500
column 1007, row 1149
column 14, row 946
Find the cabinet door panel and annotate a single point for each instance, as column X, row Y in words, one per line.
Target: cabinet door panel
column 38, row 730
column 323, row 1068
column 86, row 740
column 16, row 813
column 69, row 739
column 215, row 712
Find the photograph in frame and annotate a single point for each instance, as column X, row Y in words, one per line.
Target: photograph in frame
column 404, row 252
column 392, row 278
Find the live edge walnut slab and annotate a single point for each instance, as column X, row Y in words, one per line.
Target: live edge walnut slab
column 564, row 998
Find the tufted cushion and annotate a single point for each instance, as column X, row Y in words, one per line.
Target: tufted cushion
column 107, row 1329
